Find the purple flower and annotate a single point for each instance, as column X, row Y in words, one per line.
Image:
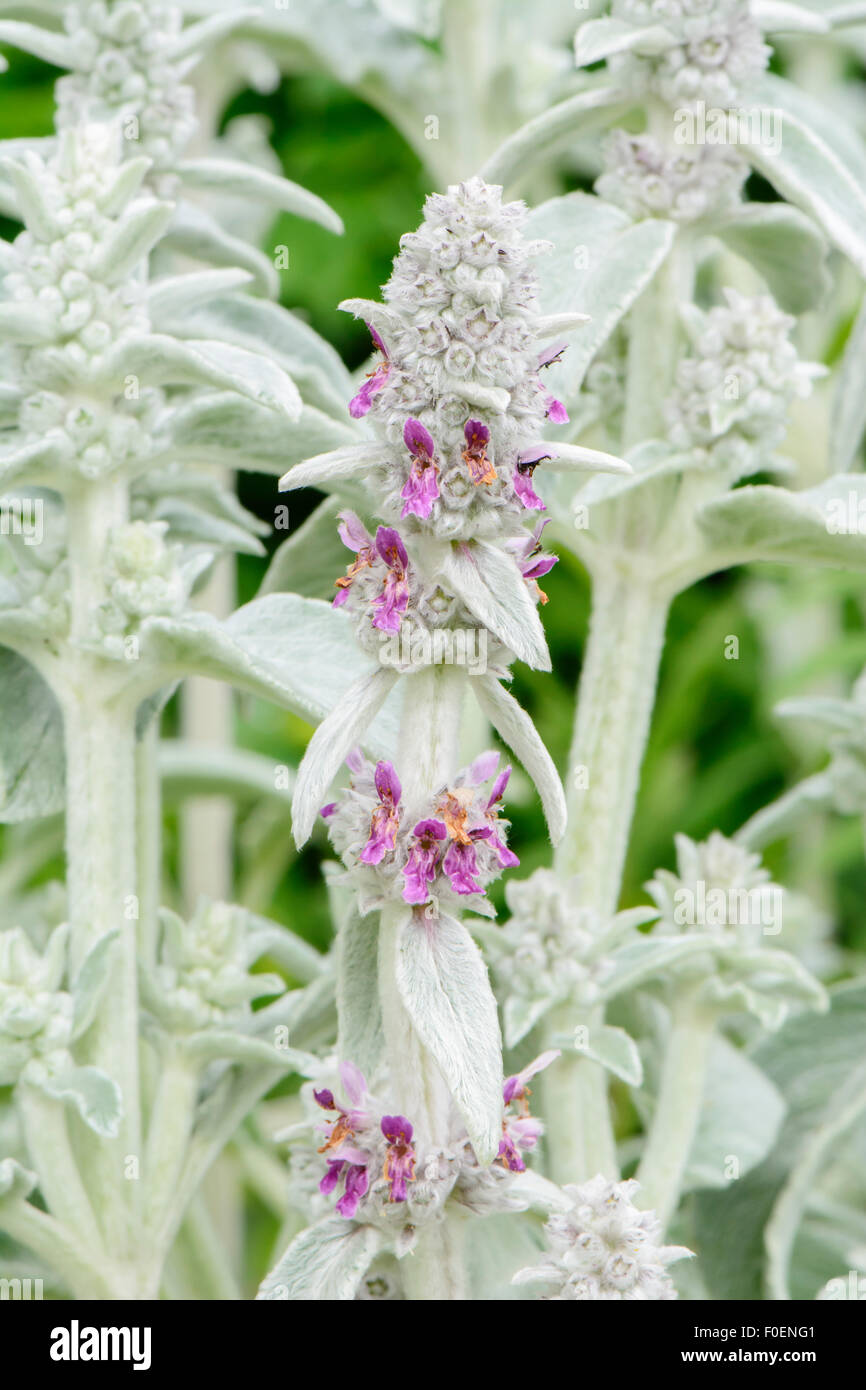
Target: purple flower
column 361, row 403
column 521, row 480
column 422, row 486
column 554, row 409
column 350, row 1119
column 385, row 821
column 532, row 561
column 393, row 601
column 461, row 864
column 549, row 355
column 516, row 1087
column 520, row 1131
column 356, row 1184
column 355, row 536
column 423, row 862
column 477, row 437
column 400, row 1159
column 507, row 858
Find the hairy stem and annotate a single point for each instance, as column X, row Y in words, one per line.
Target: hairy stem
column 429, row 739
column 99, row 729
column 615, row 700
column 678, row 1107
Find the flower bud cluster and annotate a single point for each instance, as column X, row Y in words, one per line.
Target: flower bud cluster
column 734, row 391
column 601, row 1247
column 458, row 395
column 125, row 66
column 35, row 1013
column 688, row 184
column 203, row 978
column 714, row 48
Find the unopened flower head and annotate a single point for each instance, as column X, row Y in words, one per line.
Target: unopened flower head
column 35, row 1013
column 719, row 886
column 128, row 65
column 459, row 391
column 714, row 49
column 203, row 978
column 547, row 951
column 687, row 185
column 444, row 852
column 734, row 391
column 69, row 305
column 602, row 1247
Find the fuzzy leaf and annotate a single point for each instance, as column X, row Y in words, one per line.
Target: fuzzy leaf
column 160, row 360
column 31, row 743
column 741, row 1114
column 311, row 558
column 250, row 182
column 325, row 1263
column 346, row 725
column 819, row 526
column 495, row 592
column 57, row 49
column 95, row 1096
column 130, row 239
column 598, row 39
column 195, row 233
column 327, row 470
column 615, row 1050
column 444, row 986
column 221, row 1045
column 785, row 248
column 521, row 153
column 226, row 428
column 358, row 1012
column 848, row 416
column 298, row 652
column 177, row 295
column 16, row 1182
column 90, row 983
column 809, row 170
column 600, row 263
column 517, row 730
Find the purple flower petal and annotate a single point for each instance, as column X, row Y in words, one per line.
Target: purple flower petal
column 354, row 1083
column 418, row 440
column 497, row 791
column 482, row 768
column 555, row 410
column 356, row 1186
column 461, row 866
column 389, row 544
column 522, row 484
column 352, row 532
column 328, row 810
column 397, row 1129
column 388, row 783
column 551, row 354
column 325, row 1099
column 332, row 1177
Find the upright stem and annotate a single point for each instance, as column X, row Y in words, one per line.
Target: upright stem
column 99, row 729
column 427, row 759
column 614, row 706
column 615, row 700
column 678, row 1107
